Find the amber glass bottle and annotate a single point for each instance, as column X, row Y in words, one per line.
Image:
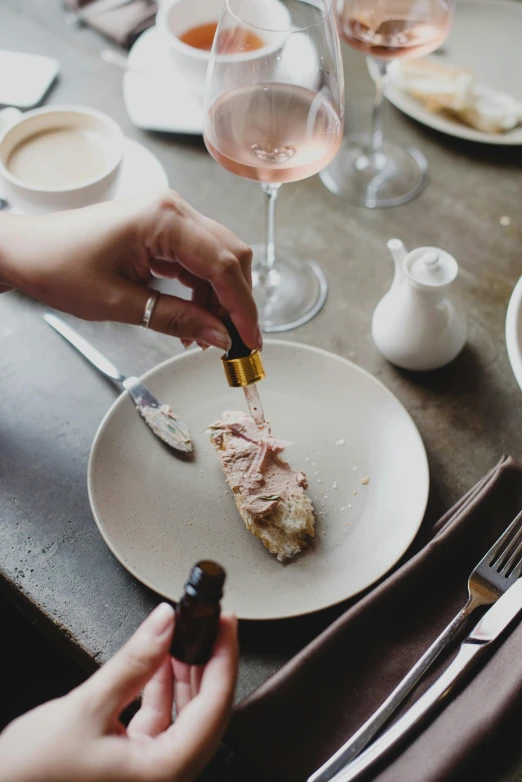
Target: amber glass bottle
column 197, row 614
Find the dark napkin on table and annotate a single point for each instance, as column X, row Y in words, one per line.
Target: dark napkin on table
column 122, row 24
column 292, row 724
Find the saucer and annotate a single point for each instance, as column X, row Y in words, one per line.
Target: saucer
column 141, row 173
column 156, row 94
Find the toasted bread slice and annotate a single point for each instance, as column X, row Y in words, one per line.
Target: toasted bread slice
column 437, row 86
column 491, row 111
column 287, row 525
column 446, row 88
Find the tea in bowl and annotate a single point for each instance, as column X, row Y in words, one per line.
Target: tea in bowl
column 60, row 157
column 189, row 27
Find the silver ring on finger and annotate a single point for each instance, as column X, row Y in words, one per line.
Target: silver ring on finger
column 149, row 309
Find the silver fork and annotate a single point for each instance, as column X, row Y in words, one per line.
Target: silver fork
column 493, row 575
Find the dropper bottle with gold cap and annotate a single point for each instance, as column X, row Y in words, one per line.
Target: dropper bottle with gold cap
column 243, row 369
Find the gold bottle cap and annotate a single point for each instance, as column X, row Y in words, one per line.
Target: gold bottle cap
column 244, row 371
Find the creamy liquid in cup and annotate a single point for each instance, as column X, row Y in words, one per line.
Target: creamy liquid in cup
column 59, row 157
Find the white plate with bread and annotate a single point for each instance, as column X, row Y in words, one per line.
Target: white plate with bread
column 483, row 54
column 366, row 467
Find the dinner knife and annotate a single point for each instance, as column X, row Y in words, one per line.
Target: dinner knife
column 158, row 416
column 485, row 632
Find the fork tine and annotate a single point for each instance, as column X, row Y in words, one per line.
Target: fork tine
column 498, row 548
column 500, row 565
column 515, row 575
column 512, row 561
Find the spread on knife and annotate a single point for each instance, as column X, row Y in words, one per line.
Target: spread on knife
column 166, row 425
column 269, row 493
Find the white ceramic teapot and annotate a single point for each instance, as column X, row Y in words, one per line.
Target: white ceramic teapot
column 417, row 325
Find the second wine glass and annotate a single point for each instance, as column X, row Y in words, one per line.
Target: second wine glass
column 274, row 114
column 369, row 170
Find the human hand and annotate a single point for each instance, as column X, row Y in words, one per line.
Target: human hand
column 80, row 736
column 96, row 263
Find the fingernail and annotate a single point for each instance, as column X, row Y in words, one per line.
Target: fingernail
column 187, row 343
column 161, row 618
column 233, row 619
column 259, row 339
column 217, row 338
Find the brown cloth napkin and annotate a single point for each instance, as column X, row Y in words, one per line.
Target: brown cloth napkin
column 122, row 24
column 297, row 719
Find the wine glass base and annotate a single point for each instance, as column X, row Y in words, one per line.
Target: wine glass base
column 290, row 294
column 391, row 177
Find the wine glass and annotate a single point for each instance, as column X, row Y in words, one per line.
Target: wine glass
column 274, row 104
column 368, row 170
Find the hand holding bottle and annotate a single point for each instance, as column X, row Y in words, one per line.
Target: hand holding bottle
column 80, row 736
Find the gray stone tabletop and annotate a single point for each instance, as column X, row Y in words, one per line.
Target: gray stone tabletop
column 53, row 562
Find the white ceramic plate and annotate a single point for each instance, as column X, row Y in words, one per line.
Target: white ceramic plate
column 160, row 514
column 141, row 173
column 487, row 38
column 514, row 332
column 159, row 97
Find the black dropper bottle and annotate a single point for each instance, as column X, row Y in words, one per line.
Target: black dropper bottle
column 197, row 614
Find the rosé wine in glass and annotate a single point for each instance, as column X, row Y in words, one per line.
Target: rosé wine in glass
column 275, row 115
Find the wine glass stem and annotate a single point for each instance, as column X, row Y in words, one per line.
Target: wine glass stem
column 271, row 192
column 378, row 105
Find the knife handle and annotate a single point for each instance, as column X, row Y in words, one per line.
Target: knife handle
column 465, row 659
column 89, row 352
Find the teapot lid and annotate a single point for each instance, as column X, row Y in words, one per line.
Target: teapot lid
column 431, row 267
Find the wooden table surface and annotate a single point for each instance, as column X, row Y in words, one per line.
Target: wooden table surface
column 53, row 562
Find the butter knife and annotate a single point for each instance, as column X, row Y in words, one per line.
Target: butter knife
column 160, row 418
column 485, row 632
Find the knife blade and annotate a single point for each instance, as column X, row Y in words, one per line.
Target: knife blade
column 494, row 622
column 159, row 417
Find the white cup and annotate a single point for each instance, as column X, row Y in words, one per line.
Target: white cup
column 175, row 17
column 15, row 127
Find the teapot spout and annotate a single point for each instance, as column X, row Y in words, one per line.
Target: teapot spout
column 398, row 253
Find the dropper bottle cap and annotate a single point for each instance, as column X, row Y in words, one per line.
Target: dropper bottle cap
column 206, row 580
column 242, row 366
